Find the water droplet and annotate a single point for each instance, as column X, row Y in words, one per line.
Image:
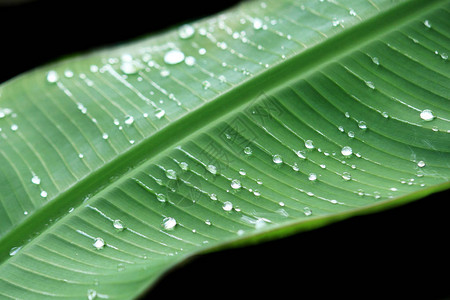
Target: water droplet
column 99, row 243
column 52, row 76
column 129, row 120
column 202, row 51
column 189, row 60
column 385, row 114
column 346, row 151
column 105, row 136
column 242, row 172
column 427, row 23
column 184, row 166
column 295, row 167
column 335, row 22
column 159, row 113
column 235, row 184
column 130, row 67
column 212, row 169
column 370, row 84
column 173, row 57
column 171, row 174
column 227, row 206
column 35, row 179
column 80, row 155
column 14, row 127
column 444, row 56
column 208, row 222
column 118, row 225
column 213, row 196
column 421, row 164
column 169, row 223
column 161, row 197
column 307, row 211
column 44, row 194
column 362, row 125
column 346, row 176
column 352, row 12
column 427, row 115
column 277, row 159
column 257, row 23
column 309, row 144
column 351, row 134
column 248, row 150
column 312, row 177
column 375, row 60
column 206, row 84
column 186, row 31
column 68, row 73
column 91, row 294
column 256, row 193
column 14, row 250
column 259, row 181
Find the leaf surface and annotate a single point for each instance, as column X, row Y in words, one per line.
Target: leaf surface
column 271, row 118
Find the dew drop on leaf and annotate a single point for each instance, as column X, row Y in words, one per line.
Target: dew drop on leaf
column 169, row 223
column 173, row 57
column 99, row 243
column 118, row 225
column 171, row 174
column 346, row 151
column 52, row 76
column 186, row 31
column 309, row 144
column 427, row 115
column 277, row 159
column 227, row 206
column 35, row 179
column 235, row 184
column 312, row 177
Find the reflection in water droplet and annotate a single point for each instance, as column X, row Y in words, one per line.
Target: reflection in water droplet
column 99, row 243
column 169, row 223
column 427, row 115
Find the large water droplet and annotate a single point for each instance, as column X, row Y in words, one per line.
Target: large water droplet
column 99, row 243
column 346, row 151
column 427, row 115
column 173, row 57
column 169, row 223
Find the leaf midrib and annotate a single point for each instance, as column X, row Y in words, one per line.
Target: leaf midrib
column 213, row 112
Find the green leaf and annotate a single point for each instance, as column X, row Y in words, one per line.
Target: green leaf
column 269, row 119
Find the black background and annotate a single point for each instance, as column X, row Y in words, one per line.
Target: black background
column 402, row 253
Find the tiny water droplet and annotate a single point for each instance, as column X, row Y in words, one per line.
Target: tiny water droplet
column 171, row 174
column 35, row 179
column 309, row 144
column 129, row 120
column 99, row 243
column 335, row 22
column 346, row 151
column 52, row 76
column 184, row 166
column 242, row 172
column 173, row 57
column 186, row 31
column 375, row 60
column 44, row 194
column 169, row 223
column 213, row 196
column 118, row 225
column 277, row 159
column 202, row 51
column 352, row 12
column 351, row 134
column 427, row 23
column 235, row 184
column 427, row 115
column 385, row 114
column 161, row 197
column 14, row 250
column 370, row 84
column 189, row 60
column 362, row 125
column 91, row 294
column 14, row 127
column 159, row 113
column 295, row 167
column 227, row 206
column 312, row 177
column 212, row 169
column 248, row 150
column 257, row 23
column 421, row 164
column 307, row 211
column 346, row 176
